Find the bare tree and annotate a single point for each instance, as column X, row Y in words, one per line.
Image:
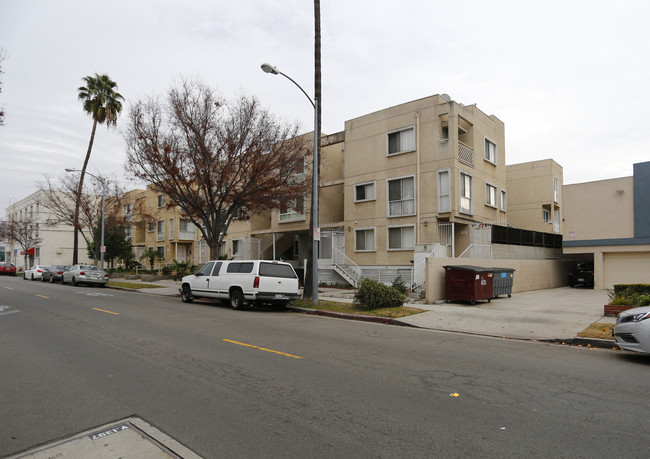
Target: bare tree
column 22, row 230
column 59, row 197
column 215, row 160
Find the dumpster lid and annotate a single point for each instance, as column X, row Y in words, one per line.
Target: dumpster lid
column 476, row 269
column 503, row 269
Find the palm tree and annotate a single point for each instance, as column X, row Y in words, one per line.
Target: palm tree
column 103, row 103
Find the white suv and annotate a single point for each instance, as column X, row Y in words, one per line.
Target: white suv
column 243, row 282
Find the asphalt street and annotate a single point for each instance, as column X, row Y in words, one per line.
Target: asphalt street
column 263, row 383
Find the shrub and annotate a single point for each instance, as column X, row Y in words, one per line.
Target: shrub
column 399, row 285
column 630, row 295
column 375, row 295
column 166, row 270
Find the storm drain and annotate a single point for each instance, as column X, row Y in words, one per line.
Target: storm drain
column 129, row 438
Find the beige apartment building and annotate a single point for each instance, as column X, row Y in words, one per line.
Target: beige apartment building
column 535, row 196
column 420, row 179
column 608, row 222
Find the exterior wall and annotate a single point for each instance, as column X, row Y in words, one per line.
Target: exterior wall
column 528, row 275
column 531, row 189
column 441, row 129
column 607, row 220
column 599, row 210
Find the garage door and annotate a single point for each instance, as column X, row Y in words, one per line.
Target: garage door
column 626, row 268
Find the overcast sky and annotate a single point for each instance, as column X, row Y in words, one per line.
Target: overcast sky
column 568, row 78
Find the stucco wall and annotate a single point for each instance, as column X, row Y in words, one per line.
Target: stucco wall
column 529, row 274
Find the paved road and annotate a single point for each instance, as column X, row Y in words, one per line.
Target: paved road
column 270, row 384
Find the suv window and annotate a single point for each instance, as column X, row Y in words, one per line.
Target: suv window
column 217, row 266
column 206, row 270
column 276, row 270
column 238, row 267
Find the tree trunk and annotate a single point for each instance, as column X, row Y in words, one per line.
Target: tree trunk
column 75, row 248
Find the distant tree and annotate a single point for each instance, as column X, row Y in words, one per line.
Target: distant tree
column 152, row 255
column 60, row 198
column 103, row 103
column 115, row 240
column 215, row 160
column 22, row 230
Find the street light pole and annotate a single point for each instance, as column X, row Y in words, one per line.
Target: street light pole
column 268, row 68
column 101, row 244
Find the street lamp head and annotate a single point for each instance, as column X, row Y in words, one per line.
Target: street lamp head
column 70, row 170
column 268, row 68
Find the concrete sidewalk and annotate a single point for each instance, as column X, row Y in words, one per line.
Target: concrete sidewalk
column 553, row 314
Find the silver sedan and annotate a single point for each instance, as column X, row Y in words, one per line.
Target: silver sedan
column 632, row 330
column 85, row 274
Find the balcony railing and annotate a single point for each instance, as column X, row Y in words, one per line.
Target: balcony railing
column 465, row 154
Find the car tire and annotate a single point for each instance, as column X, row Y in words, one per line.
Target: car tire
column 32, row 276
column 51, row 279
column 186, row 294
column 24, row 276
column 237, row 299
column 42, row 278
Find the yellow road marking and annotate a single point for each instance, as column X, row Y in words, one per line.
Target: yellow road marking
column 107, row 312
column 262, row 349
column 9, row 288
column 43, row 296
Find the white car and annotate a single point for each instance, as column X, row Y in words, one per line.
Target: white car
column 85, row 274
column 243, row 282
column 35, row 272
column 632, row 330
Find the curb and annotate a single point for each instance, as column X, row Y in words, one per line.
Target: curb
column 357, row 317
column 587, row 342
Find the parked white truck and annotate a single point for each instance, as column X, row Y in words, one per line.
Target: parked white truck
column 243, row 282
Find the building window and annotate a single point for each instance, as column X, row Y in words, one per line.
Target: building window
column 236, row 245
column 161, row 251
column 364, row 240
column 151, row 227
column 444, row 191
column 466, row 193
column 504, row 200
column 128, row 211
column 171, row 228
column 127, row 233
column 161, row 200
column 401, row 238
column 292, row 210
column 490, row 151
column 161, row 230
column 556, row 190
column 401, row 141
column 546, row 216
column 364, row 192
column 401, row 197
column 490, row 195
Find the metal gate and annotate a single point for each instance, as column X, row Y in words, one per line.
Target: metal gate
column 446, row 237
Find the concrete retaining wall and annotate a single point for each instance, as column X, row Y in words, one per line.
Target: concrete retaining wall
column 529, row 274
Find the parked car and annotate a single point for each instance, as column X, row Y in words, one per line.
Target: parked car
column 582, row 274
column 7, row 269
column 35, row 272
column 85, row 274
column 54, row 273
column 243, row 282
column 632, row 330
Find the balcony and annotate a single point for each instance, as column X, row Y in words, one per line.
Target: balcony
column 465, row 154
